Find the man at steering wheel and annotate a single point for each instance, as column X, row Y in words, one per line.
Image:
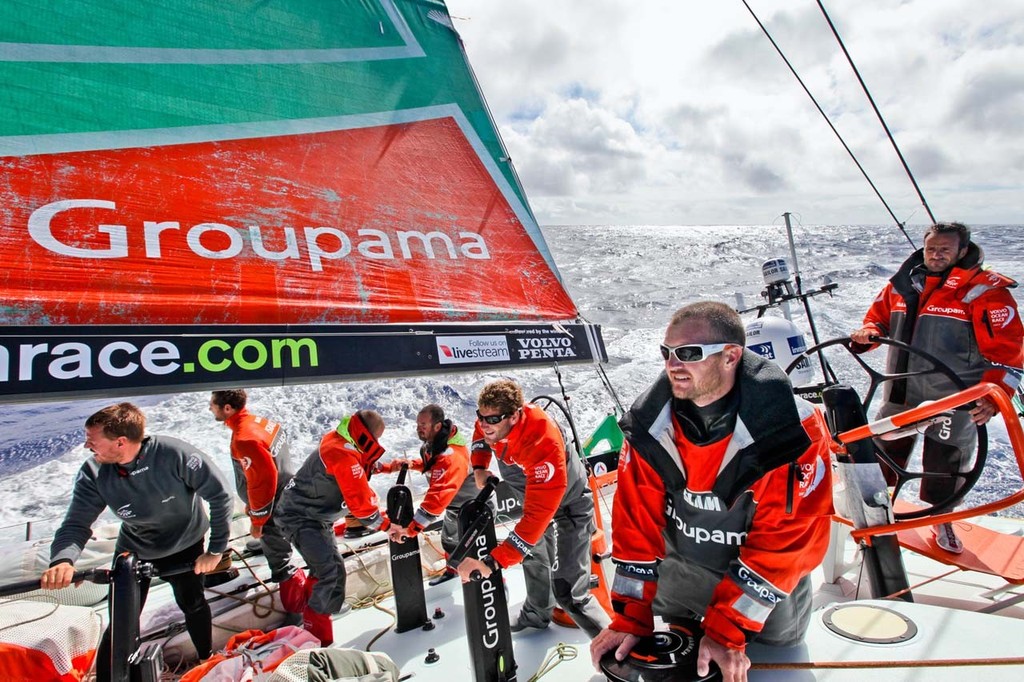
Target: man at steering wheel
column 942, row 301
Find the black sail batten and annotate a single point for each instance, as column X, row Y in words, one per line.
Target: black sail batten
column 42, row 363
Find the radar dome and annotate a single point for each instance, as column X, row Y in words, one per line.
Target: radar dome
column 779, row 340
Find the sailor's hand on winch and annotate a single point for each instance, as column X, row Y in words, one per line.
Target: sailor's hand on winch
column 207, row 562
column 468, row 567
column 480, row 477
column 732, row 662
column 398, row 533
column 56, row 577
column 608, row 640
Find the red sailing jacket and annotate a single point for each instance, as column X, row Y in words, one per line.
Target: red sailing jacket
column 254, row 443
column 762, row 532
column 334, row 478
column 967, row 318
column 448, row 474
column 535, row 445
column 349, row 466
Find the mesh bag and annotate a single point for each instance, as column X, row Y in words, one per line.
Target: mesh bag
column 38, row 640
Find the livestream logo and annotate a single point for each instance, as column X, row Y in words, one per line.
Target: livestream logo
column 455, row 350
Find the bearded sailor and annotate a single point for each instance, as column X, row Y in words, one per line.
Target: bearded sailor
column 724, row 499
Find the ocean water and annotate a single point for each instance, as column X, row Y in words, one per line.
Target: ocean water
column 627, row 278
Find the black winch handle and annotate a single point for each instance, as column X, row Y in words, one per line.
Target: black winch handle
column 100, row 576
column 485, row 492
column 467, row 541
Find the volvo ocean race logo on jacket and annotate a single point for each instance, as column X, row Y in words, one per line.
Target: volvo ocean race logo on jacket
column 1000, row 317
column 542, row 473
column 811, row 476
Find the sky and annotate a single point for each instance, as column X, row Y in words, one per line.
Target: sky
column 680, row 112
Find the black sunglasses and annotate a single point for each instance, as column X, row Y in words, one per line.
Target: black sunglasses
column 492, row 419
column 693, row 352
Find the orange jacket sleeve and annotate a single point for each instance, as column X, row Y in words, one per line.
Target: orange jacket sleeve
column 445, row 478
column 345, row 463
column 481, row 451
column 878, row 316
column 999, row 333
column 638, row 545
column 881, row 309
column 260, row 477
column 537, row 447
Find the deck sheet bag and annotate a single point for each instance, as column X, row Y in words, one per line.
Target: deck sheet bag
column 46, row 641
column 250, row 654
column 337, row 665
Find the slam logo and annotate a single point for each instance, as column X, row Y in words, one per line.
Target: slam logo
column 455, row 350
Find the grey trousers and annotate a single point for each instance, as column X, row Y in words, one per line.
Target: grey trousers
column 949, row 448
column 450, row 530
column 685, row 590
column 315, row 541
column 278, row 551
column 558, row 571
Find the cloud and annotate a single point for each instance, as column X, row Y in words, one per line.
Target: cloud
column 662, row 111
column 755, row 175
column 991, row 101
column 577, row 147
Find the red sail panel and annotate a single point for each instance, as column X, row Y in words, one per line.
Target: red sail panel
column 390, row 224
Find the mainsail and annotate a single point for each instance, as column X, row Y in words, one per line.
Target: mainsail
column 250, row 193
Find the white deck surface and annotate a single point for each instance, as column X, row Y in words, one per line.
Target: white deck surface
column 947, row 613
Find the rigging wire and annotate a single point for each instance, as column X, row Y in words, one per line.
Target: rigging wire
column 821, row 111
column 607, row 382
column 878, row 113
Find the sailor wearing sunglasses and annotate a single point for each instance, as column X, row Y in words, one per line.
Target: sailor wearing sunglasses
column 555, row 492
column 724, row 499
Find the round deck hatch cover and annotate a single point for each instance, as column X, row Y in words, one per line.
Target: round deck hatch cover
column 869, row 623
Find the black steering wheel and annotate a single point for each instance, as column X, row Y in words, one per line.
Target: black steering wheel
column 877, row 379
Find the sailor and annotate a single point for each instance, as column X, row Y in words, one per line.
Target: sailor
column 942, row 301
column 151, row 484
column 724, row 498
column 259, row 448
column 333, row 480
column 444, row 459
column 557, row 509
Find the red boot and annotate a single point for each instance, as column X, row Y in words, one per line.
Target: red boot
column 319, row 625
column 311, row 582
column 293, row 592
